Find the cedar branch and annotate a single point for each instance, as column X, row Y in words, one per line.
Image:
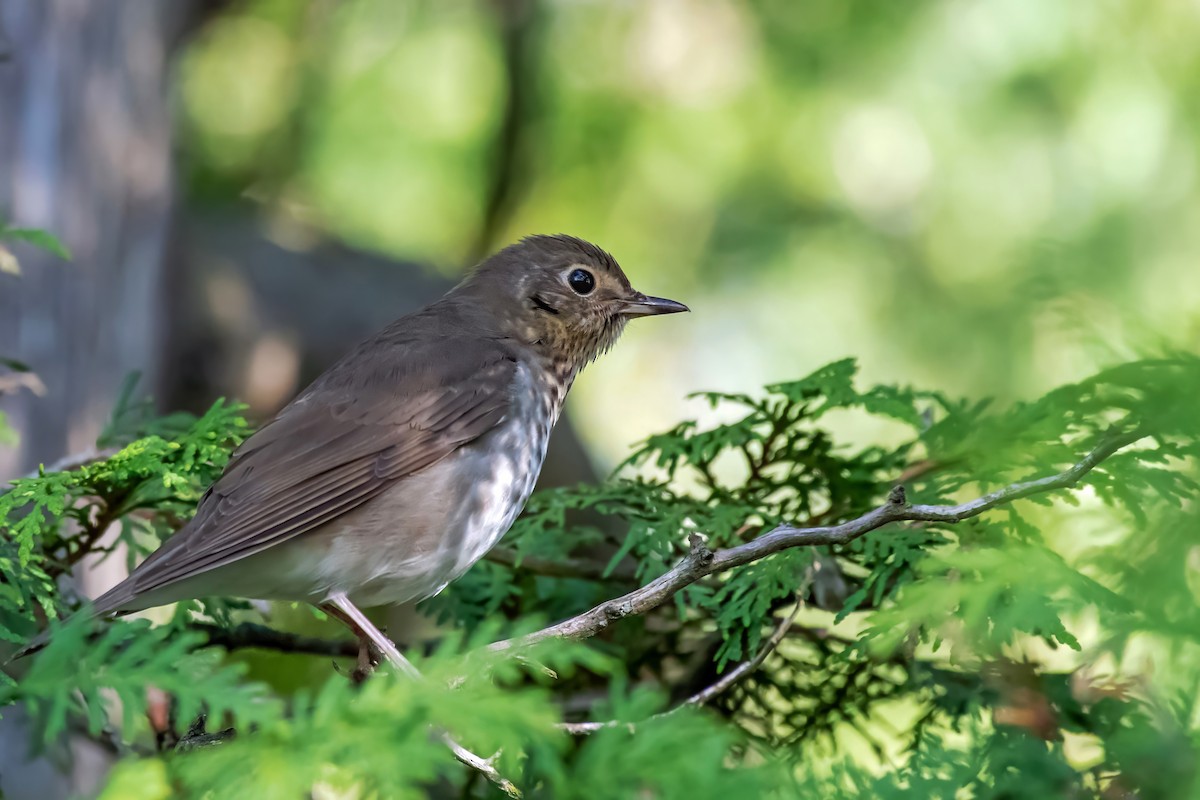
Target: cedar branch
column 701, row 562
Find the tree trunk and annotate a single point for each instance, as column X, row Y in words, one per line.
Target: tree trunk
column 85, row 153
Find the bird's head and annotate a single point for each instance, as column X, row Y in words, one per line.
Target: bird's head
column 560, row 295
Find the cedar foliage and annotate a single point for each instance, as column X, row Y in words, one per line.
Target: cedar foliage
column 1047, row 648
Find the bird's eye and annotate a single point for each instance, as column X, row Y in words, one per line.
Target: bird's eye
column 581, row 281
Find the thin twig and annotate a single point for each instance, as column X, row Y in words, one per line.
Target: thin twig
column 484, row 766
column 81, row 545
column 701, row 562
column 706, row 694
column 746, row 667
column 250, row 636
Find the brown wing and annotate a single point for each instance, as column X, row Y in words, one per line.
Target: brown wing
column 342, row 442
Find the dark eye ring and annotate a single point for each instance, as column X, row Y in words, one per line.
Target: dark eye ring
column 581, row 281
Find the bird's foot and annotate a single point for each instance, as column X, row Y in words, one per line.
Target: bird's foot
column 368, row 660
column 339, row 607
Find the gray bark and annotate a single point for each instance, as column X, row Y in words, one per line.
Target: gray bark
column 85, row 153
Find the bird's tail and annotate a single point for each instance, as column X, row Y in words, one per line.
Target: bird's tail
column 109, row 604
column 33, row 645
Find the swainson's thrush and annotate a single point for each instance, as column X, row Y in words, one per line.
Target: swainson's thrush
column 406, row 461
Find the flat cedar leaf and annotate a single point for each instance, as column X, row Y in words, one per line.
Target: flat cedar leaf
column 743, row 603
column 77, row 667
column 626, row 546
column 23, row 508
column 899, row 404
column 852, row 603
column 833, row 384
column 14, row 364
column 38, row 238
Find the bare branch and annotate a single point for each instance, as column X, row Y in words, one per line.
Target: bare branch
column 709, row 692
column 248, row 636
column 484, row 766
column 585, row 728
column 700, row 561
column 746, row 667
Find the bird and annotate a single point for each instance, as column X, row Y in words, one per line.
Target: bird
column 408, row 459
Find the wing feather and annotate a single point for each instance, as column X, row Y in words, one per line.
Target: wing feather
column 336, row 446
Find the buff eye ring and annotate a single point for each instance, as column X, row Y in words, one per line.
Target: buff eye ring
column 581, row 281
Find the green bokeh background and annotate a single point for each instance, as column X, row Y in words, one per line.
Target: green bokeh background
column 980, row 197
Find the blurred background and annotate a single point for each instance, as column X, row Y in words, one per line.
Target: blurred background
column 987, row 197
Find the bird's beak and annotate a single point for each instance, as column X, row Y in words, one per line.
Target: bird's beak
column 642, row 306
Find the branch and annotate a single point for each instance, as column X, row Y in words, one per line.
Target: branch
column 746, row 667
column 701, row 562
column 709, row 692
column 10, row 384
column 484, row 766
column 248, row 635
column 86, row 541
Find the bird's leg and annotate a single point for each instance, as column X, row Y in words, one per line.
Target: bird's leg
column 339, row 606
column 368, row 653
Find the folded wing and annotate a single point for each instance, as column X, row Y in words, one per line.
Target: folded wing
column 341, row 443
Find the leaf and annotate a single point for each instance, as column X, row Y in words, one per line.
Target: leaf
column 8, row 435
column 77, row 671
column 38, row 238
column 15, row 365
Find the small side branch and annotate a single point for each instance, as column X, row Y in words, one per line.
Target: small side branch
column 484, row 766
column 706, row 694
column 743, row 669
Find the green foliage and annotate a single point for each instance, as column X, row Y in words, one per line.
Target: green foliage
column 916, row 613
column 33, row 236
column 1044, row 648
column 38, row 238
column 678, row 755
column 67, row 678
column 53, row 520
